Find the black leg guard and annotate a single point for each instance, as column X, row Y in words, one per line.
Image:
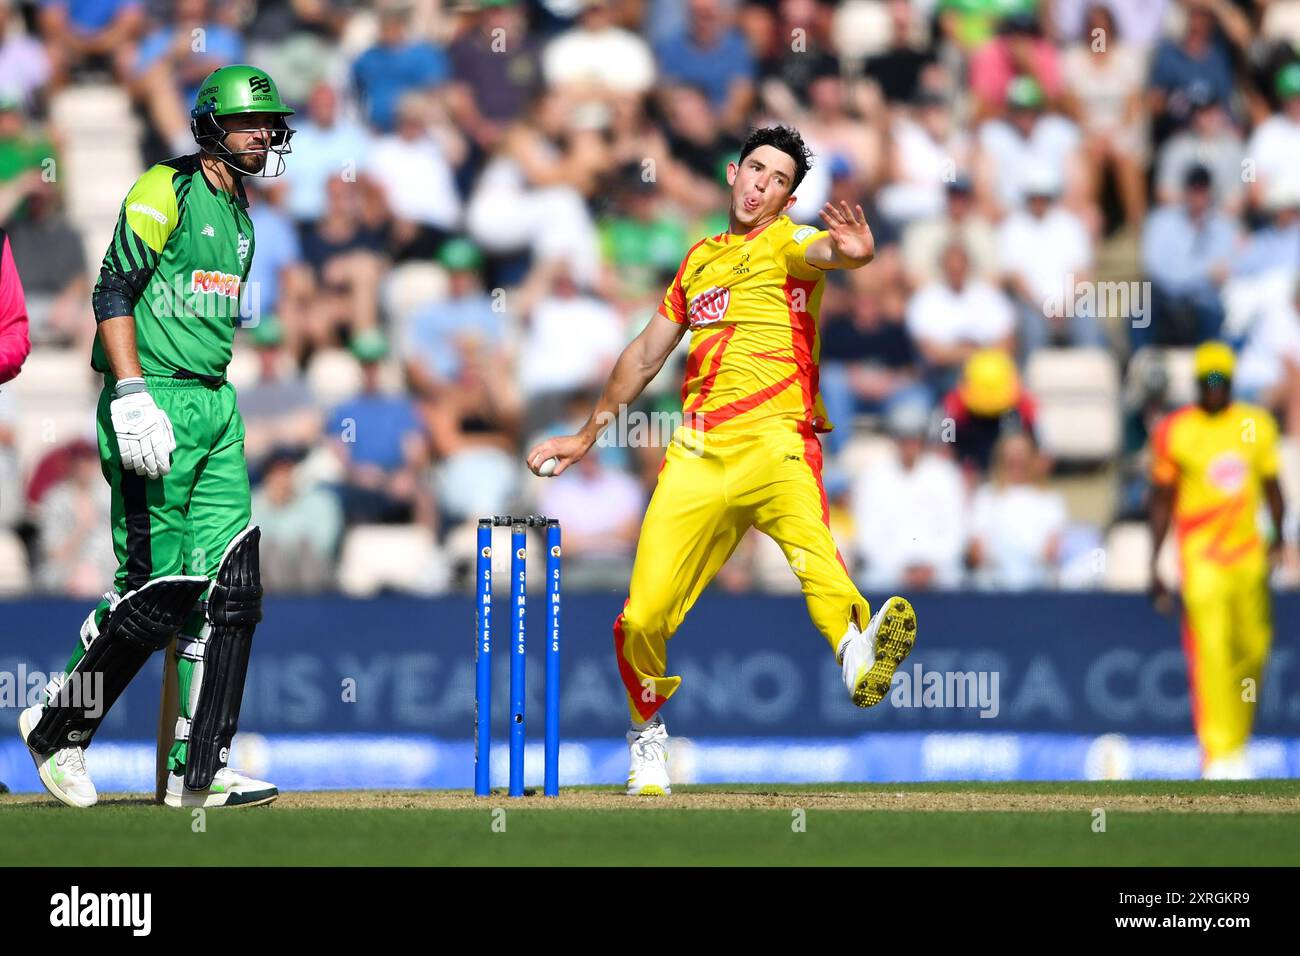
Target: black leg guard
column 234, row 608
column 143, row 621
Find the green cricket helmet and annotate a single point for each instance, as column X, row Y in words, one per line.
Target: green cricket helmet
column 237, row 90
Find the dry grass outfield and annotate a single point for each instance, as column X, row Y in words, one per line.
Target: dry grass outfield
column 1062, row 797
column 978, row 800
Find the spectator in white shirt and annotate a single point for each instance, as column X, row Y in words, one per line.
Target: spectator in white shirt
column 1028, row 139
column 596, row 55
column 928, row 149
column 571, row 340
column 952, row 317
column 1268, row 368
column 414, row 169
column 1016, row 525
column 24, row 65
column 909, row 511
column 1275, row 144
column 532, row 194
column 1046, row 255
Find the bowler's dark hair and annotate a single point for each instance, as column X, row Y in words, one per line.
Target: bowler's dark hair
column 788, row 141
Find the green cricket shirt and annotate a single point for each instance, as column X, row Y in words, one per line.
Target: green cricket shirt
column 178, row 262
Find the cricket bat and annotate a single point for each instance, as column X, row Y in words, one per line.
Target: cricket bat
column 169, row 709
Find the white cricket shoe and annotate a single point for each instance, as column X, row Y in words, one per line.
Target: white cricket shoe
column 648, row 774
column 63, row 772
column 869, row 658
column 229, row 788
column 1234, row 766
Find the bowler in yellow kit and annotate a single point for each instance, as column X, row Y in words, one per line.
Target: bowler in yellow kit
column 1214, row 464
column 747, row 452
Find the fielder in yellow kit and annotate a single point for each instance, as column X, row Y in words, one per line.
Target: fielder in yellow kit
column 747, row 453
column 1214, row 463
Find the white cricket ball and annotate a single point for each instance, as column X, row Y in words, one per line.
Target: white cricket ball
column 547, row 468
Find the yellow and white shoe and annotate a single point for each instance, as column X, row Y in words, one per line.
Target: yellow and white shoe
column 869, row 658
column 63, row 773
column 648, row 748
column 229, row 788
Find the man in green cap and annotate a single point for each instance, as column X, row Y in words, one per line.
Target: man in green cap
column 429, row 345
column 171, row 445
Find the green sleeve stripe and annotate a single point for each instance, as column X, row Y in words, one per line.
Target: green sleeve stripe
column 138, row 251
column 122, row 246
column 150, row 208
column 112, row 259
column 182, row 197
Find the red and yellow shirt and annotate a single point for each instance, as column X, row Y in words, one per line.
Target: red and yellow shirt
column 752, row 303
column 1218, row 464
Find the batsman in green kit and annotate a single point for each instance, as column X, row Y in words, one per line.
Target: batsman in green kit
column 171, row 443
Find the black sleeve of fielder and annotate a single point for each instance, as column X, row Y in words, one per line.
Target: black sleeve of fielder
column 128, row 264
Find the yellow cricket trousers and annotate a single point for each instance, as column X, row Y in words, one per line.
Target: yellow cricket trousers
column 711, row 490
column 1227, row 631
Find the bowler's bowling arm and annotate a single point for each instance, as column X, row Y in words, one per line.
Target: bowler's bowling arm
column 635, row 369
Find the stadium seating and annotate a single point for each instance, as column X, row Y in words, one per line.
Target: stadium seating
column 56, row 399
column 1078, row 399
column 99, row 150
column 395, row 557
column 1128, row 558
column 15, row 576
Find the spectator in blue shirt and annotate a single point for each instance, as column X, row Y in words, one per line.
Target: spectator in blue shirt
column 1201, row 59
column 430, row 354
column 279, row 281
column 326, row 146
column 383, row 446
column 1274, row 248
column 171, row 63
column 714, row 56
column 90, row 33
column 1186, row 249
column 397, row 65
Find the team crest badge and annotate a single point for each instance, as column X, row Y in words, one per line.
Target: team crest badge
column 242, row 249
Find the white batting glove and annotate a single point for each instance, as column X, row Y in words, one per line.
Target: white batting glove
column 144, row 432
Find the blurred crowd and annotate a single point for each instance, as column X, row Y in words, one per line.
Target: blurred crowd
column 486, row 199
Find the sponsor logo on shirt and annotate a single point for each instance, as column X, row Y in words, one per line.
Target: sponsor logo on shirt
column 148, row 211
column 222, row 283
column 1227, row 472
column 802, row 233
column 709, row 307
column 208, row 230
